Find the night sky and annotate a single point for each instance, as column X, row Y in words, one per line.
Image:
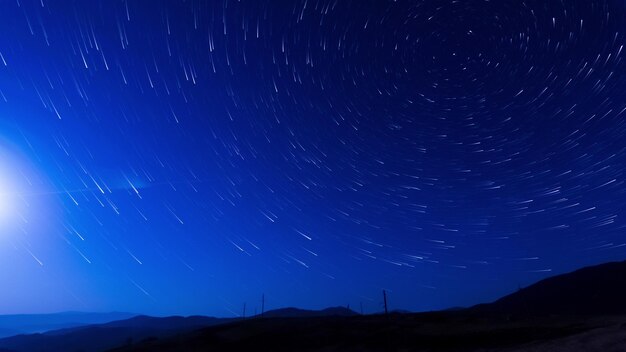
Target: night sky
column 184, row 157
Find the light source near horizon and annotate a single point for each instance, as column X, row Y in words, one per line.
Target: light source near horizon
column 26, row 202
column 7, row 199
column 3, row 201
column 15, row 180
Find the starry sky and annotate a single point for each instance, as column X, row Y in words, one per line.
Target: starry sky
column 187, row 157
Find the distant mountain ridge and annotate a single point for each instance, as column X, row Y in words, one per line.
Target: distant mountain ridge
column 593, row 290
column 144, row 322
column 101, row 337
column 14, row 324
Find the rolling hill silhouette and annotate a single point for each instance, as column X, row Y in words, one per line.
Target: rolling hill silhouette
column 32, row 323
column 578, row 311
column 594, row 290
column 100, row 337
column 581, row 310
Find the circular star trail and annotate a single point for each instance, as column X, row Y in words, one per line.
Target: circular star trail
column 188, row 156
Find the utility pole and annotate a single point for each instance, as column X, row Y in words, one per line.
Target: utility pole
column 244, row 310
column 262, row 305
column 385, row 300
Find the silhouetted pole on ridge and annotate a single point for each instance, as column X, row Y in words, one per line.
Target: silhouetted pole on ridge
column 244, row 310
column 262, row 305
column 385, row 300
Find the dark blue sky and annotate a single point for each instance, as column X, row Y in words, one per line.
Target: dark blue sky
column 183, row 157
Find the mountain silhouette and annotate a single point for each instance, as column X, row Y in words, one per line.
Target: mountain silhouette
column 32, row 323
column 100, row 337
column 584, row 310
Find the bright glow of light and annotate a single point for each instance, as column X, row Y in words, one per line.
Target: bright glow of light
column 27, row 208
column 7, row 196
column 26, row 198
column 3, row 205
column 15, row 174
column 4, row 201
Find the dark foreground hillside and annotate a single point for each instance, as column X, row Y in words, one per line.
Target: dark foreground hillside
column 594, row 290
column 401, row 332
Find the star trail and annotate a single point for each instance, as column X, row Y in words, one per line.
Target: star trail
column 187, row 157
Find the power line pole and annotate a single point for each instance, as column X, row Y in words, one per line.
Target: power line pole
column 385, row 300
column 262, row 305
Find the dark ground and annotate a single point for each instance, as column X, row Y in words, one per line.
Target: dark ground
column 444, row 331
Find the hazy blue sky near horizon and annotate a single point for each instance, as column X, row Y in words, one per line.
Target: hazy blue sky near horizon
column 185, row 157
